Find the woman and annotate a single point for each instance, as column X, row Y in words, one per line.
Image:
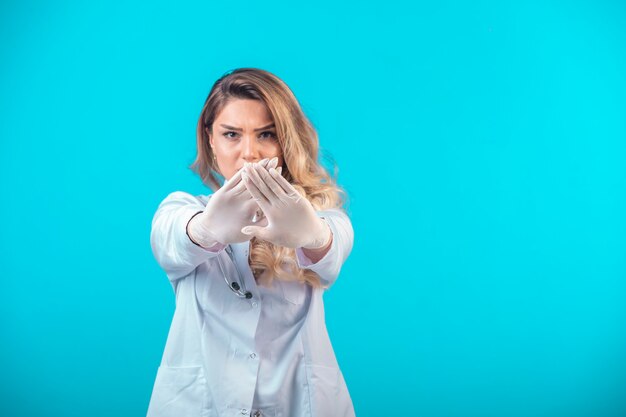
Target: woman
column 250, row 262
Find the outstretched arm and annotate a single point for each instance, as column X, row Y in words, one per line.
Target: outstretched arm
column 171, row 246
column 329, row 265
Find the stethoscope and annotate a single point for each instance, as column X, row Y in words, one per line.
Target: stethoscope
column 239, row 286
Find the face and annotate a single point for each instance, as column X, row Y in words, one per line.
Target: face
column 243, row 132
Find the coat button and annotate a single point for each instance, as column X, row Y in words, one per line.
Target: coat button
column 257, row 413
column 254, row 304
column 244, row 411
column 253, row 355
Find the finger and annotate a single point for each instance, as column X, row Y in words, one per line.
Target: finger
column 233, row 181
column 254, row 173
column 253, row 231
column 275, row 192
column 235, row 185
column 238, row 187
column 289, row 190
column 257, row 195
column 273, row 163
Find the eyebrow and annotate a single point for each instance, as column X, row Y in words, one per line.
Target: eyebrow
column 239, row 129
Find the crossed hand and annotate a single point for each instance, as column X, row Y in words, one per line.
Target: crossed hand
column 291, row 219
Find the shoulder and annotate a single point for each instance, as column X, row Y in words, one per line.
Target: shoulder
column 182, row 197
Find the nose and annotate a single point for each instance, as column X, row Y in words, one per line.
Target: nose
column 250, row 149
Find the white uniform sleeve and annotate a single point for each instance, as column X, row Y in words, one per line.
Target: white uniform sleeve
column 329, row 266
column 171, row 246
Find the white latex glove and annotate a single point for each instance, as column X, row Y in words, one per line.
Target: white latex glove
column 229, row 209
column 292, row 220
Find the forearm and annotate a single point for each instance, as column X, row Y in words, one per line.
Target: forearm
column 172, row 248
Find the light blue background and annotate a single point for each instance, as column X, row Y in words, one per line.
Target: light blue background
column 482, row 143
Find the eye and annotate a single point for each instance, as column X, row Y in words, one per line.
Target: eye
column 272, row 135
column 228, row 133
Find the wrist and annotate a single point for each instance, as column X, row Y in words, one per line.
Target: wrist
column 315, row 255
column 200, row 237
column 323, row 239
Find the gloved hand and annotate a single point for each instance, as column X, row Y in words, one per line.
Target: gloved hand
column 228, row 210
column 292, row 220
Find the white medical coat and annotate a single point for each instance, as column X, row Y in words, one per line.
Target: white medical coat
column 228, row 356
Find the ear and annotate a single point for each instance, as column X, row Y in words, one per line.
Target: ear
column 206, row 130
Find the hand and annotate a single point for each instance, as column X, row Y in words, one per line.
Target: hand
column 229, row 209
column 292, row 220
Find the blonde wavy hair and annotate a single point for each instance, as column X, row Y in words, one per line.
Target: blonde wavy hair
column 299, row 143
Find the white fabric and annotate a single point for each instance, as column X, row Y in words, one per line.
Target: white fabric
column 228, row 356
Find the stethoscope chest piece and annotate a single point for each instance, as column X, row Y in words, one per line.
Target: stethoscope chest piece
column 239, row 286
